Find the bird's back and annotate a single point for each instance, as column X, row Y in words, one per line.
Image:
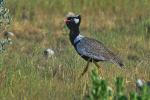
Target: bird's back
column 96, row 50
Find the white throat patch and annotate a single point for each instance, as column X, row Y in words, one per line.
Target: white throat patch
column 78, row 38
column 76, row 20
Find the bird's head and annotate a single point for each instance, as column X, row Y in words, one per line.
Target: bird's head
column 73, row 21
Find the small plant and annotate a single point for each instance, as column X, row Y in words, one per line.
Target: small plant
column 101, row 91
column 4, row 16
column 4, row 22
column 4, row 42
column 120, row 95
column 144, row 93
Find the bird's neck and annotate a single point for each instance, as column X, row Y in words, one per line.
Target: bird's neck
column 73, row 34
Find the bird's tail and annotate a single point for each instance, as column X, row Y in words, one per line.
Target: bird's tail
column 118, row 61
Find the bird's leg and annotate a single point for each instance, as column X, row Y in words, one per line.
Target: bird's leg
column 98, row 67
column 85, row 69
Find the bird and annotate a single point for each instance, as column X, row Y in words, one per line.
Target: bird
column 91, row 50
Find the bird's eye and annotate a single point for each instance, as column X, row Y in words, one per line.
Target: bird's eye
column 69, row 18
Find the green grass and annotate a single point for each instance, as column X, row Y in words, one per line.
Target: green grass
column 24, row 72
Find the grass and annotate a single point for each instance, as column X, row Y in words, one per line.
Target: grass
column 122, row 26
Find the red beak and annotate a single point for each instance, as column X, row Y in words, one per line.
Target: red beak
column 66, row 20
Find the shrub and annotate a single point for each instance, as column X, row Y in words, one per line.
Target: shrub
column 4, row 23
column 100, row 90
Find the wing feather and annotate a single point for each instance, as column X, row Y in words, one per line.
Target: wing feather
column 93, row 49
column 96, row 50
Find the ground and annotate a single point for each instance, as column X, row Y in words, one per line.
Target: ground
column 123, row 26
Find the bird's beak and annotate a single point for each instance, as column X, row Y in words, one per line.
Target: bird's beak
column 66, row 20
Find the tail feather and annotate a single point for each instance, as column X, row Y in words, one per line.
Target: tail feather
column 118, row 61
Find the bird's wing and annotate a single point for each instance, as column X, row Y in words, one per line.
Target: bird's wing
column 96, row 50
column 93, row 49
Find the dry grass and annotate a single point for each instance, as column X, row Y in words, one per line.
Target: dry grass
column 38, row 24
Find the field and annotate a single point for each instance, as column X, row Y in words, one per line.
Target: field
column 25, row 74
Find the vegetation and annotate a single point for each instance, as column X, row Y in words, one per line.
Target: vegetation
column 4, row 16
column 101, row 91
column 122, row 25
column 4, row 22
